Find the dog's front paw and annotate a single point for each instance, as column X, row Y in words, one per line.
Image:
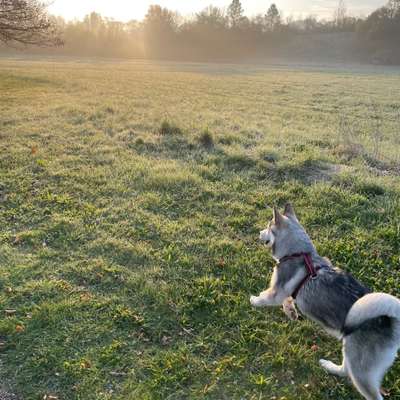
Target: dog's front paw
column 290, row 309
column 254, row 301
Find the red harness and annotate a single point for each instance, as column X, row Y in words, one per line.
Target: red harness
column 311, row 269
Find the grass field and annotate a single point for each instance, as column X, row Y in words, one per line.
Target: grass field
column 131, row 197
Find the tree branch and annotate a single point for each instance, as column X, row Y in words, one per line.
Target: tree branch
column 27, row 22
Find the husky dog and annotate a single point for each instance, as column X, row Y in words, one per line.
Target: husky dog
column 368, row 324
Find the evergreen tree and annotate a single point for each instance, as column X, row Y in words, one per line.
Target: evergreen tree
column 235, row 13
column 273, row 18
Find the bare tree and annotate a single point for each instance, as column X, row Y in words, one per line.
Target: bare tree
column 393, row 7
column 27, row 22
column 340, row 15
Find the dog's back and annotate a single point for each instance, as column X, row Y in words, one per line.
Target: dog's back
column 328, row 299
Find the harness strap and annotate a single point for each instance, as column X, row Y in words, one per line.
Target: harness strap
column 311, row 269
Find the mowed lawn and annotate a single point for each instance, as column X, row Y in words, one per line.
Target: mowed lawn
column 131, row 198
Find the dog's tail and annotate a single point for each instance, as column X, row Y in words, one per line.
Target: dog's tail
column 371, row 306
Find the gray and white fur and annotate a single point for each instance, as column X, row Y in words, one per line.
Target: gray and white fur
column 368, row 324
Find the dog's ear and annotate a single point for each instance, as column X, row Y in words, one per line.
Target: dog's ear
column 289, row 211
column 278, row 218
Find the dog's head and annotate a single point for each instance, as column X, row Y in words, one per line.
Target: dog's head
column 285, row 235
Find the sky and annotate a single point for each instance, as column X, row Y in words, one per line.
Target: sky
column 125, row 10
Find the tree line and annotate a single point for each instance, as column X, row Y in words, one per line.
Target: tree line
column 218, row 34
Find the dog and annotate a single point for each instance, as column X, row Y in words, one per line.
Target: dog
column 368, row 324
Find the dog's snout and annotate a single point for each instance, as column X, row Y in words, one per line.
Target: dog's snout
column 266, row 237
column 263, row 237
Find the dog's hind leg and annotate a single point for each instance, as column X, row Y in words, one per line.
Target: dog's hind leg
column 339, row 370
column 366, row 386
column 367, row 361
column 367, row 378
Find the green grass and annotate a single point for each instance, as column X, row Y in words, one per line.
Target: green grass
column 131, row 197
